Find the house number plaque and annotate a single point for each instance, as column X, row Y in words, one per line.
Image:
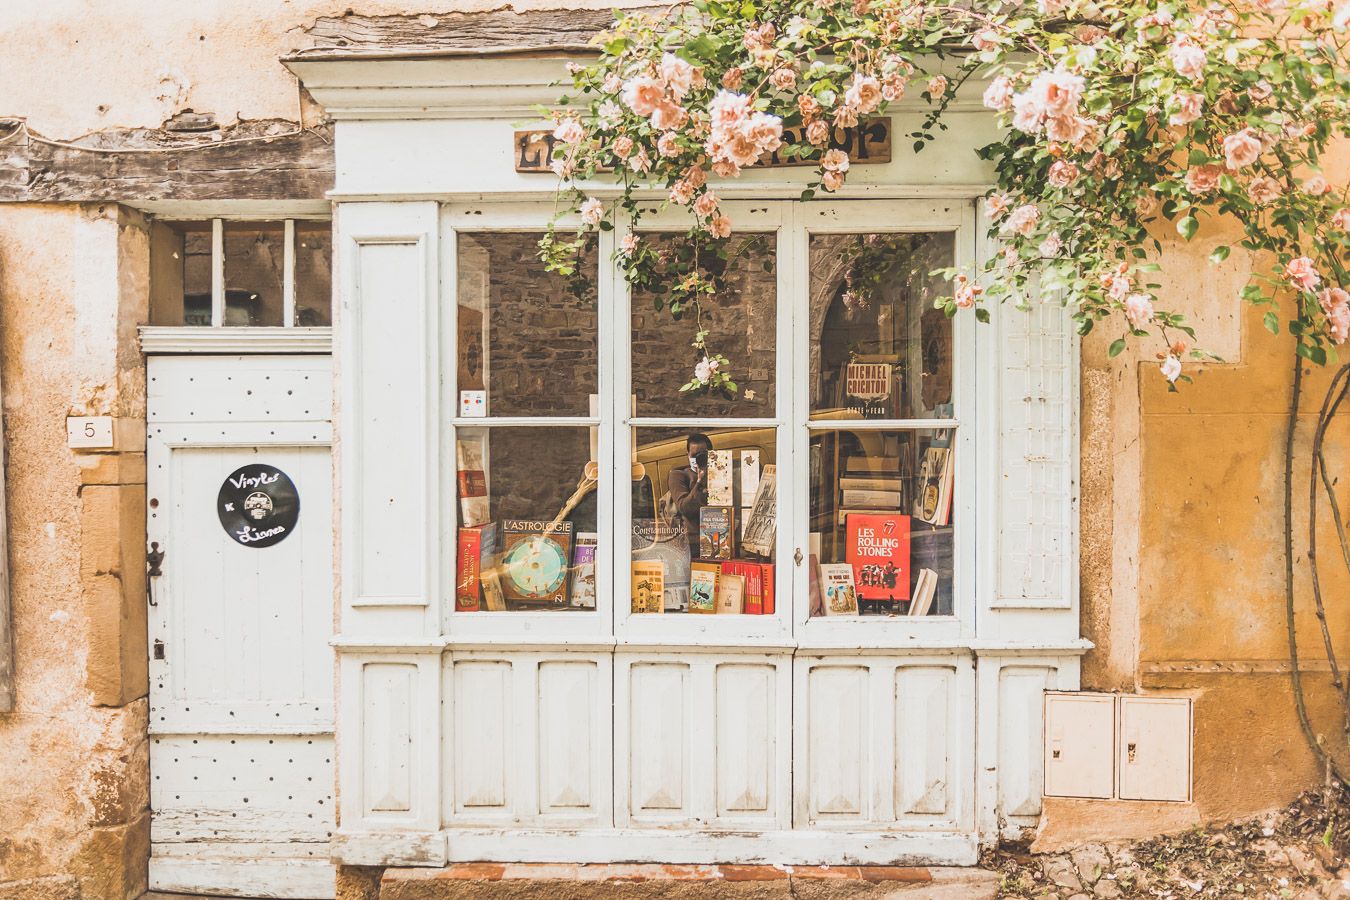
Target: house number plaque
column 258, row 505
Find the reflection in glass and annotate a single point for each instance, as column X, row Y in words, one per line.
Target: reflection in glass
column 526, row 337
column 180, row 273
column 313, row 274
column 881, row 522
column 741, row 317
column 254, row 265
column 879, row 350
column 705, row 519
column 527, row 532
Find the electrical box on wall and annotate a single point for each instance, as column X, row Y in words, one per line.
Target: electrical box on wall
column 1079, row 745
column 1108, row 746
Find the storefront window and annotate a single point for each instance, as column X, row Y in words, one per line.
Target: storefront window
column 254, row 262
column 705, row 512
column 742, row 313
column 881, row 524
column 527, row 342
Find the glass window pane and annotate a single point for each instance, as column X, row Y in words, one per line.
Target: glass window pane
column 704, row 528
column 180, row 273
column 528, row 338
column 313, row 274
column 527, row 519
column 741, row 317
column 879, row 350
column 882, row 536
column 254, row 259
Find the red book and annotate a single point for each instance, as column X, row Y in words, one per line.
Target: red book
column 878, row 551
column 475, row 546
column 472, row 483
column 769, row 608
column 754, row 585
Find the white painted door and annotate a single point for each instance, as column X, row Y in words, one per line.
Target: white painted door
column 241, row 673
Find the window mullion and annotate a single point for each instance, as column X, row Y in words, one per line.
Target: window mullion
column 288, row 275
column 217, row 273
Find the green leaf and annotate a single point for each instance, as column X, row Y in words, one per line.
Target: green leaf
column 982, row 315
column 1188, row 226
column 1272, row 322
column 1084, row 326
column 1219, row 254
column 1117, row 347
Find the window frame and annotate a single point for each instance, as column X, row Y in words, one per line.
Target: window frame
column 611, row 622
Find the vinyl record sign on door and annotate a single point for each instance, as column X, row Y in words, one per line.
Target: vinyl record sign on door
column 258, row 505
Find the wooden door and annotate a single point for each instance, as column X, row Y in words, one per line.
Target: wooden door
column 241, row 690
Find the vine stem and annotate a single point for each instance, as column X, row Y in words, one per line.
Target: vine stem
column 1295, row 676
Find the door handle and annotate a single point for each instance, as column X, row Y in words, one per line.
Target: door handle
column 153, row 558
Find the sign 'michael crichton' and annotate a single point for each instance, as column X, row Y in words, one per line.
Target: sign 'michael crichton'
column 868, row 143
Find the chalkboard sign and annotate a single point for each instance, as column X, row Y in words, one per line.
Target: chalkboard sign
column 258, row 505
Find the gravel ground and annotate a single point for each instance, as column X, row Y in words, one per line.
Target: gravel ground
column 1301, row 853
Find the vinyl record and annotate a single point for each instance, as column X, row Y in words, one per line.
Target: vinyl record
column 258, row 505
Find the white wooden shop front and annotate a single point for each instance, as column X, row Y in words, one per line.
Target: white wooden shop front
column 600, row 734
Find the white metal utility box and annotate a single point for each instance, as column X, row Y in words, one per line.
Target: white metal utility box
column 1115, row 746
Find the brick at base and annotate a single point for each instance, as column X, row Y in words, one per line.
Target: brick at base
column 542, row 881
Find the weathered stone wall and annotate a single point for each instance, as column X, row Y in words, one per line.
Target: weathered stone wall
column 73, row 754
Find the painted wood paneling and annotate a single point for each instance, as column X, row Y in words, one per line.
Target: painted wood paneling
column 659, row 730
column 1021, row 729
column 388, row 694
column 838, row 759
column 568, row 713
column 925, row 703
column 484, row 730
column 745, row 738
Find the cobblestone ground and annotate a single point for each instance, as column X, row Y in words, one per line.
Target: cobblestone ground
column 1300, row 853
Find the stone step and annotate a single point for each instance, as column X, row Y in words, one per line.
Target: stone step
column 545, row 881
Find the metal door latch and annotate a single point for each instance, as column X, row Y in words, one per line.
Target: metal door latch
column 153, row 558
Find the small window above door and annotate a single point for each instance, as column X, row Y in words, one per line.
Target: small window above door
column 251, row 274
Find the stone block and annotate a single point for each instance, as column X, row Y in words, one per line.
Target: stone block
column 112, row 581
column 113, row 864
column 52, row 887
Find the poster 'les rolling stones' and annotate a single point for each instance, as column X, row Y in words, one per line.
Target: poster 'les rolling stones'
column 258, row 505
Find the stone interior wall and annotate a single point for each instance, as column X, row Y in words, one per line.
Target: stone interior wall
column 73, row 755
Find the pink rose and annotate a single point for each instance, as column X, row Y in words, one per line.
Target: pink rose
column 766, row 131
column 1188, row 58
column 640, row 161
column 1028, row 113
column 643, row 94
column 1260, row 91
column 864, row 94
column 965, row 292
column 612, row 83
column 623, row 146
column 1171, row 368
column 1051, row 246
column 1317, row 185
column 569, row 131
column 1117, row 283
column 832, row 181
column 999, row 94
column 1051, row 7
column 1341, row 219
column 1022, row 220
column 720, row 226
column 677, row 74
column 1068, row 129
column 695, row 176
column 835, row 160
column 893, row 87
column 705, row 205
column 1241, row 149
column 1139, row 310
column 1203, row 179
column 1302, row 274
column 937, row 86
column 784, row 79
column 1263, row 190
column 1333, row 297
column 724, row 169
column 1146, row 205
column 818, row 133
column 669, row 115
column 681, row 192
column 1336, row 304
column 1062, row 173
column 666, row 145
column 845, row 117
column 731, row 78
column 1189, row 107
column 995, row 205
column 808, row 105
column 1062, row 92
column 985, row 40
column 629, row 244
column 592, row 211
column 729, row 110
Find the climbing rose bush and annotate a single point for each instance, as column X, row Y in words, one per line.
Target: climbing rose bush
column 1119, row 122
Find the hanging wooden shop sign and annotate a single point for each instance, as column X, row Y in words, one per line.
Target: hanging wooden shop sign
column 866, row 144
column 258, row 505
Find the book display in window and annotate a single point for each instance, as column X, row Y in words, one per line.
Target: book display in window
column 839, row 595
column 535, row 560
column 933, row 499
column 720, row 478
column 730, row 593
column 877, row 547
column 716, row 532
column 762, row 527
column 477, row 549
column 471, row 477
column 648, row 586
column 583, row 570
column 703, row 578
column 667, row 546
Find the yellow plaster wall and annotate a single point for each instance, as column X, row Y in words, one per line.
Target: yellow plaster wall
column 73, row 755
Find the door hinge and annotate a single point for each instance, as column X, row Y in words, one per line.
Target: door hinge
column 153, row 558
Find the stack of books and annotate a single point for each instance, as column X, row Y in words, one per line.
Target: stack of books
column 870, row 484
